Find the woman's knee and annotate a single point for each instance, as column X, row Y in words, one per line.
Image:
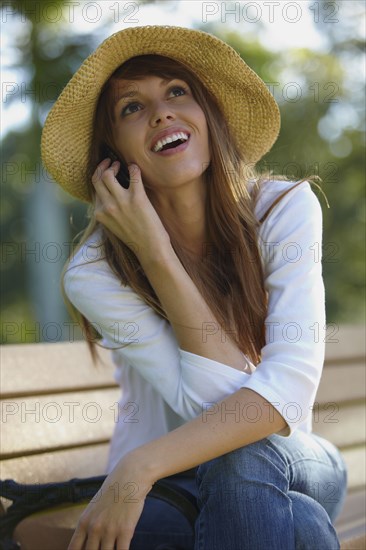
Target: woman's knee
column 312, row 525
column 246, row 469
column 239, row 490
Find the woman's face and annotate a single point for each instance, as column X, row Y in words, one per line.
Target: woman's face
column 148, row 113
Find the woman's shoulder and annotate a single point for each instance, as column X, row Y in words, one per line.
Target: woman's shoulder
column 90, row 254
column 275, row 196
column 87, row 267
column 91, row 284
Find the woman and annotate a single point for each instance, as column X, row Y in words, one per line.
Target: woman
column 201, row 278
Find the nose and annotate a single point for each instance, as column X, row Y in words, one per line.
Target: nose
column 161, row 111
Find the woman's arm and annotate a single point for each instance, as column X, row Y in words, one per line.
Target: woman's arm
column 194, row 324
column 142, row 339
column 242, row 418
column 142, row 230
column 112, row 515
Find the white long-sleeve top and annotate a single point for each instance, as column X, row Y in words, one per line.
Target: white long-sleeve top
column 165, row 385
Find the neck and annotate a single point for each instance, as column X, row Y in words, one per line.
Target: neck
column 183, row 214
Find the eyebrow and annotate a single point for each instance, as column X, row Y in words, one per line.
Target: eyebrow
column 133, row 93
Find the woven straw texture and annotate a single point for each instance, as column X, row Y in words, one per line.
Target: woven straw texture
column 250, row 110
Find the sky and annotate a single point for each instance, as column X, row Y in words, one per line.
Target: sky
column 278, row 24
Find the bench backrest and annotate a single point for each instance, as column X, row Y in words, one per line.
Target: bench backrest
column 58, row 410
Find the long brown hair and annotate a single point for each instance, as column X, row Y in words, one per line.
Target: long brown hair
column 229, row 276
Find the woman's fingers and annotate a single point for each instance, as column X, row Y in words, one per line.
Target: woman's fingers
column 136, row 185
column 123, row 542
column 77, row 541
column 109, row 543
column 116, row 190
column 93, row 541
column 102, row 193
column 135, row 174
column 97, row 537
column 105, row 180
column 102, row 166
column 127, row 213
column 110, row 519
column 106, row 169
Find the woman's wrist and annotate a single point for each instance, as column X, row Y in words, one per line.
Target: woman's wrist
column 156, row 255
column 140, row 467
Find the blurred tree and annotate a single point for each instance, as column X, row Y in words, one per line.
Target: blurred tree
column 37, row 235
column 34, row 211
column 320, row 99
column 322, row 132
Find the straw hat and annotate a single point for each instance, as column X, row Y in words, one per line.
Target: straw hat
column 250, row 110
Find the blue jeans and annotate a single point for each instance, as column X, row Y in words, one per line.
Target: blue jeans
column 276, row 494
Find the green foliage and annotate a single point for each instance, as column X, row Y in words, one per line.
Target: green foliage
column 312, row 91
column 320, row 134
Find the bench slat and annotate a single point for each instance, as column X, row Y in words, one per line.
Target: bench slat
column 28, row 369
column 351, row 522
column 59, row 466
column 355, row 459
column 60, row 420
column 344, row 382
column 29, row 424
column 91, row 460
column 343, row 425
column 47, row 367
column 344, row 342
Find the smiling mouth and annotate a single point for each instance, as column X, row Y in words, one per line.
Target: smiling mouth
column 171, row 142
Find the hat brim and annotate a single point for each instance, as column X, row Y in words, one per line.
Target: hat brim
column 250, row 110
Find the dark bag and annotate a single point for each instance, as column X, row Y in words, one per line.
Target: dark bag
column 28, row 499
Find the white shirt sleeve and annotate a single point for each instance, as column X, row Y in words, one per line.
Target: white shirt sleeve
column 292, row 358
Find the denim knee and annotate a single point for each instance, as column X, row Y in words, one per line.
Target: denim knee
column 312, row 525
column 243, row 501
column 250, row 491
column 234, row 471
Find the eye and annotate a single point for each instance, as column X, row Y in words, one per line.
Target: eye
column 130, row 108
column 180, row 89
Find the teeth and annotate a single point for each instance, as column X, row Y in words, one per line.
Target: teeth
column 169, row 139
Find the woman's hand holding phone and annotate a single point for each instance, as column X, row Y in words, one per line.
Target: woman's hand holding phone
column 128, row 213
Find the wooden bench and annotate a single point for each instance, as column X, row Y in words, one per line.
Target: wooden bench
column 58, row 413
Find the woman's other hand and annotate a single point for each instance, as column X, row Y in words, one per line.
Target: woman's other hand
column 128, row 213
column 110, row 519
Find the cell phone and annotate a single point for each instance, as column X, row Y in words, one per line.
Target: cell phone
column 123, row 176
